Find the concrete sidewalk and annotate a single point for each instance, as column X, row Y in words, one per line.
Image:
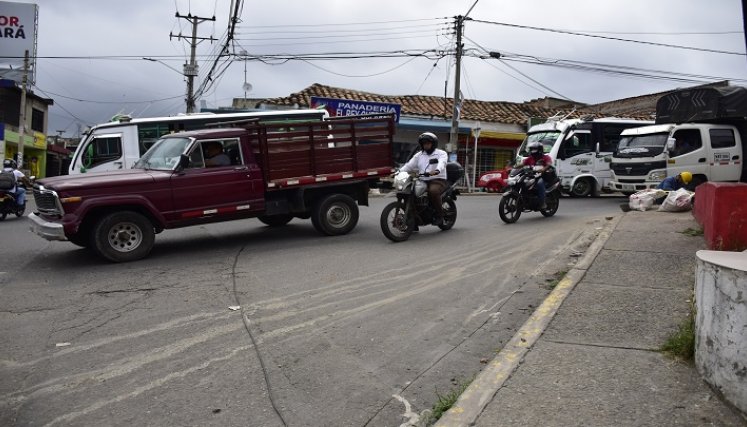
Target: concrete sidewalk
column 597, row 362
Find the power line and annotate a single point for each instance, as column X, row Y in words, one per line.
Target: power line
column 347, row 24
column 430, row 32
column 558, row 31
column 358, row 30
column 110, row 102
column 362, row 75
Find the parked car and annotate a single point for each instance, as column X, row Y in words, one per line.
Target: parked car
column 494, row 181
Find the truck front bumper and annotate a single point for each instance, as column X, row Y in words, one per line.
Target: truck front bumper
column 632, row 186
column 46, row 229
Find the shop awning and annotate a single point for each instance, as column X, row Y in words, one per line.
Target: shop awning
column 499, row 139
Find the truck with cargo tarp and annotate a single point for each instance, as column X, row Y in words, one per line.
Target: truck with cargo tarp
column 700, row 130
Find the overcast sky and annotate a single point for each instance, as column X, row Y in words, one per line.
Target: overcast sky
column 140, row 28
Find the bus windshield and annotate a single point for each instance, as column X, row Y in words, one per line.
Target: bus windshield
column 546, row 138
column 164, row 155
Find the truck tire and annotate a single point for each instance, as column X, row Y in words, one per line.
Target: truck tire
column 123, row 236
column 335, row 215
column 582, row 187
column 275, row 220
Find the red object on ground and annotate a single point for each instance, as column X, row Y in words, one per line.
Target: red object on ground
column 721, row 208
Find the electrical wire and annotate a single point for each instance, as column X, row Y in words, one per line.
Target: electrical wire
column 348, row 24
column 367, row 30
column 109, row 102
column 403, row 33
column 435, row 64
column 558, row 31
column 362, row 75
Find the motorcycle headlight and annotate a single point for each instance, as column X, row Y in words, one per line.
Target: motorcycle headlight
column 513, row 180
column 489, row 176
column 400, row 180
column 657, row 175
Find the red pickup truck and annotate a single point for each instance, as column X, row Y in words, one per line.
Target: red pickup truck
column 275, row 172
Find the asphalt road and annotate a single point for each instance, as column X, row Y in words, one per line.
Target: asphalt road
column 346, row 331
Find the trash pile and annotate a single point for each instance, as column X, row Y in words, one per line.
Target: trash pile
column 671, row 201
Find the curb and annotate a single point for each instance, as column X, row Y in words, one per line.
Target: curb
column 480, row 392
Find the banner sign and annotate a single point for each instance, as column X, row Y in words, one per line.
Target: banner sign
column 18, row 28
column 348, row 107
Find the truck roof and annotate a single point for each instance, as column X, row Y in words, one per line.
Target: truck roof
column 208, row 133
column 645, row 130
column 563, row 124
column 704, row 104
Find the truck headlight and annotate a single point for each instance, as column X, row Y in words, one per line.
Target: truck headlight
column 657, row 175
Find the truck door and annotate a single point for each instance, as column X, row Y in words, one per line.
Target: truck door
column 217, row 182
column 688, row 154
column 576, row 155
column 726, row 158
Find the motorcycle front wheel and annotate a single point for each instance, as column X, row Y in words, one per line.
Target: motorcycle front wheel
column 395, row 226
column 509, row 208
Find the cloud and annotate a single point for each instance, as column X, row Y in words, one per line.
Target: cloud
column 140, row 28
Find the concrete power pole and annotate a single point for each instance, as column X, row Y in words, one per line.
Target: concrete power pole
column 22, row 118
column 190, row 70
column 457, row 85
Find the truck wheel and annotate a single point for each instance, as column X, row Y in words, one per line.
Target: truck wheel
column 123, row 236
column 582, row 188
column 335, row 215
column 275, row 220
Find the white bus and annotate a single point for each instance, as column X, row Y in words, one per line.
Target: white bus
column 581, row 150
column 121, row 142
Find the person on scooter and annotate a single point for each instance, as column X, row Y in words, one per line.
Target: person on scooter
column 432, row 161
column 10, row 165
column 537, row 157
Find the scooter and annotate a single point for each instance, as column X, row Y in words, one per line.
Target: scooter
column 9, row 205
column 401, row 218
column 522, row 195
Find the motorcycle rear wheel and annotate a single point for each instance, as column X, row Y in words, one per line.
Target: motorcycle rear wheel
column 509, row 209
column 450, row 215
column 393, row 223
column 552, row 201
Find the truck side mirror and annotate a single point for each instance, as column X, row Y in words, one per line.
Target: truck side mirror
column 671, row 144
column 597, row 149
column 183, row 162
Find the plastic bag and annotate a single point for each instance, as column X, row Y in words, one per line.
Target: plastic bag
column 644, row 199
column 677, row 201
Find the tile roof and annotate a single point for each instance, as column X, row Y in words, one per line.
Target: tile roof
column 641, row 107
column 425, row 106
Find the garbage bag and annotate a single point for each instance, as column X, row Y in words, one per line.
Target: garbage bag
column 644, row 199
column 677, row 201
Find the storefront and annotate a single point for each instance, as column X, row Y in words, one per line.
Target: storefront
column 494, row 151
column 34, row 151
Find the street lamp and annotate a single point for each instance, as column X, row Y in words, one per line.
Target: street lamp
column 164, row 64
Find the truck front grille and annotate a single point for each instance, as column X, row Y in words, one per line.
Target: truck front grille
column 636, row 169
column 46, row 201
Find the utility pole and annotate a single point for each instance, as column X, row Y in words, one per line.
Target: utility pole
column 190, row 70
column 22, row 124
column 457, row 84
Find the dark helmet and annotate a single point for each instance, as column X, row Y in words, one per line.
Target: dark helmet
column 536, row 150
column 10, row 163
column 428, row 137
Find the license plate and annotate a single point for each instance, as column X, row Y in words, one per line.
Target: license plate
column 628, row 187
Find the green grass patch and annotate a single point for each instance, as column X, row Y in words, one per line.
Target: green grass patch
column 446, row 401
column 556, row 278
column 693, row 232
column 681, row 344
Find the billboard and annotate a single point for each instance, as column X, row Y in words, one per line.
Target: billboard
column 348, row 107
column 18, row 28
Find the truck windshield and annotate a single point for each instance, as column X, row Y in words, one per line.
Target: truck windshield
column 642, row 145
column 546, row 138
column 164, row 154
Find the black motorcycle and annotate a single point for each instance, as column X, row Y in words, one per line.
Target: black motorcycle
column 413, row 208
column 9, row 205
column 522, row 195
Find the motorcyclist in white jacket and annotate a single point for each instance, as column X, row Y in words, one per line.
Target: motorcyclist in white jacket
column 432, row 161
